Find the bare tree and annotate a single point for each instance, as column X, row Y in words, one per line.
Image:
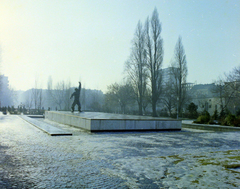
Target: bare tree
column 228, row 90
column 83, row 98
column 154, row 50
column 234, row 75
column 67, row 93
column 146, row 99
column 169, row 97
column 136, row 67
column 121, row 95
column 110, row 102
column 28, row 101
column 60, row 94
column 41, row 99
column 37, row 96
column 0, row 73
column 96, row 99
column 180, row 71
column 219, row 90
column 0, row 87
column 55, row 94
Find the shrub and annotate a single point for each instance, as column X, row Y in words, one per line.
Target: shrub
column 215, row 115
column 238, row 112
column 222, row 114
column 229, row 120
column 192, row 109
column 163, row 114
column 201, row 119
column 212, row 121
column 204, row 118
column 173, row 115
column 236, row 122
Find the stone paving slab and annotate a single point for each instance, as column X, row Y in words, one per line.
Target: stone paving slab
column 31, row 159
column 49, row 129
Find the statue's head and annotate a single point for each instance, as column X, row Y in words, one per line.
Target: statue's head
column 76, row 89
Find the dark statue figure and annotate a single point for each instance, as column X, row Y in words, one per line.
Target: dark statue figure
column 76, row 96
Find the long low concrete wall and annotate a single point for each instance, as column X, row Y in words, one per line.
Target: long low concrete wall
column 95, row 121
column 210, row 127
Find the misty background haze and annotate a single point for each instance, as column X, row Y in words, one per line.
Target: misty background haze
column 91, row 40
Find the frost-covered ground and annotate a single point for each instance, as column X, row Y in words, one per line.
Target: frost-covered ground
column 29, row 158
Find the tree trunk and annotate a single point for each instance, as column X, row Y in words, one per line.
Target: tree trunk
column 140, row 105
column 154, row 103
column 154, row 109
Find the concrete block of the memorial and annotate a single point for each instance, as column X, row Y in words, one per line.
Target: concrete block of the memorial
column 146, row 124
column 61, row 118
column 161, row 125
column 86, row 124
column 107, row 125
column 168, row 124
column 96, row 121
column 46, row 114
column 130, row 125
column 77, row 121
column 177, row 124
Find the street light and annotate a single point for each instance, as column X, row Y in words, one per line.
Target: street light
column 177, row 106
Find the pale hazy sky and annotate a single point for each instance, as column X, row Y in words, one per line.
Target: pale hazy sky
column 90, row 40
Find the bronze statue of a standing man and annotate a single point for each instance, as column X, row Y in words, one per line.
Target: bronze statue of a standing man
column 76, row 95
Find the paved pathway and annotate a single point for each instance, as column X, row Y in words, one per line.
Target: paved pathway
column 29, row 158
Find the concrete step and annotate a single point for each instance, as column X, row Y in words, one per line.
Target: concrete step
column 49, row 129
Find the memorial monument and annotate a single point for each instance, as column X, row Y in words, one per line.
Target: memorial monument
column 76, row 96
column 98, row 121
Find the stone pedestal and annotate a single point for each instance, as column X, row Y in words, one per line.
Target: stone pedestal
column 97, row 121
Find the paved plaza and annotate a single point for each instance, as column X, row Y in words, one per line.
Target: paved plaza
column 30, row 158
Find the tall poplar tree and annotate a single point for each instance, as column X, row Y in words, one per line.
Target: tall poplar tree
column 136, row 67
column 180, row 71
column 154, row 50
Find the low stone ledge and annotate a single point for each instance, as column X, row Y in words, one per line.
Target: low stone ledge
column 210, row 127
column 47, row 128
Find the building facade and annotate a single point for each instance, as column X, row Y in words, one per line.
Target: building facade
column 205, row 98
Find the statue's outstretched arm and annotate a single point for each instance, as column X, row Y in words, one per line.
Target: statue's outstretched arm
column 80, row 85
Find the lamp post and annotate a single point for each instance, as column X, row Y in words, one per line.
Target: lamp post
column 177, row 106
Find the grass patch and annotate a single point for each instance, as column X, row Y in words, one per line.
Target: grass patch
column 162, row 157
column 198, row 156
column 195, row 182
column 179, row 159
column 232, row 166
column 234, row 157
column 208, row 162
column 229, row 152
